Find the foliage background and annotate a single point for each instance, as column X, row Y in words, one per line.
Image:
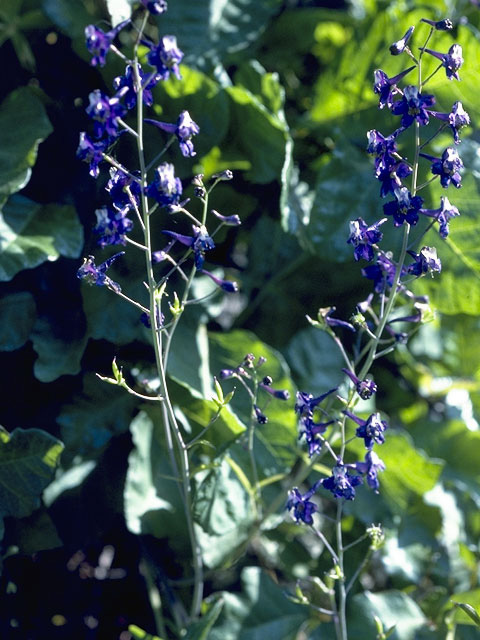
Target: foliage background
column 282, row 94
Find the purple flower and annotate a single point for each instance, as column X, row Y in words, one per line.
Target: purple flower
column 363, row 237
column 457, row 119
column 116, row 187
column 447, row 167
column 230, row 221
column 112, row 226
column 199, row 243
column 313, row 432
column 365, row 388
column 96, row 275
column 381, row 145
column 341, row 483
column 371, row 429
column 425, row 262
column 413, row 106
column 184, row 129
column 280, row 394
column 260, row 417
column 440, row 25
column 91, row 152
column 303, row 508
column 324, row 315
column 390, row 173
column 404, row 208
column 370, row 469
column 443, row 214
column 98, row 42
column 452, row 61
column 105, row 113
column 386, row 87
column 399, row 47
column 382, row 273
column 166, row 189
column 126, row 86
column 306, row 403
column 156, row 7
column 166, row 57
column 227, row 285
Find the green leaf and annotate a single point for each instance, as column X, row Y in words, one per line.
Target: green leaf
column 119, row 10
column 58, row 347
column 468, row 609
column 31, row 234
column 223, row 510
column 261, row 611
column 23, row 125
column 151, row 497
column 200, row 630
column 393, row 608
column 17, row 317
column 209, row 30
column 28, row 459
column 93, row 417
column 315, row 360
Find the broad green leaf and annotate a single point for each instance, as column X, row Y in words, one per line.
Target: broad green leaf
column 34, row 533
column 23, row 125
column 32, row 233
column 17, row 317
column 151, row 495
column 393, row 608
column 261, row 611
column 28, row 459
column 315, row 360
column 260, row 136
column 223, row 510
column 58, row 347
column 65, row 480
column 207, row 31
column 459, row 600
column 93, row 417
column 119, row 10
column 409, row 472
column 200, row 630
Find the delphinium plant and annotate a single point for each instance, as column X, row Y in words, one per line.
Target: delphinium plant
column 331, row 424
column 145, row 194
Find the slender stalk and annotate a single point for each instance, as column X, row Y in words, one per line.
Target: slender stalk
column 342, row 593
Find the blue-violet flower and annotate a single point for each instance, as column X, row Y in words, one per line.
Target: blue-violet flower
column 371, row 429
column 97, row 275
column 303, row 508
column 341, row 483
column 452, row 60
column 166, row 57
column 166, row 189
column 99, row 43
column 413, row 106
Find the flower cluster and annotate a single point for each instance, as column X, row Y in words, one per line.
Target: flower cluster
column 248, row 374
column 413, row 107
column 134, row 195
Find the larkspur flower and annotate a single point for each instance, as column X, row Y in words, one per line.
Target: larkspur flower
column 439, row 25
column 260, row 417
column 313, row 432
column 99, row 42
column 116, row 186
column 426, row 261
column 423, row 313
column 229, row 221
column 97, row 275
column 280, row 394
column 447, row 167
column 303, row 508
column 390, row 173
column 226, row 285
column 404, row 208
column 166, row 56
column 341, row 483
column 382, row 272
column 199, row 242
column 413, row 106
column 443, row 215
column 184, row 129
column 112, row 226
column 365, row 388
column 92, row 152
column 370, row 469
column 457, row 119
column 364, row 237
column 371, row 429
column 380, row 145
column 399, row 47
column 166, row 189
column 105, row 113
column 126, row 86
column 156, row 7
column 325, row 318
column 306, row 403
column 452, row 60
column 386, row 87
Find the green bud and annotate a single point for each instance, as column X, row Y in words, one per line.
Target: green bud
column 376, row 535
column 176, row 308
